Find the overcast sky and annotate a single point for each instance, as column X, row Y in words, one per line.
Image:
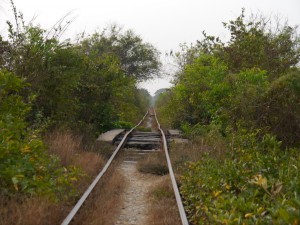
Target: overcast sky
column 164, row 23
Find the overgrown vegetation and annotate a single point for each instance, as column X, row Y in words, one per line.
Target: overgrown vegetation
column 55, row 97
column 255, row 183
column 24, row 163
column 238, row 101
column 153, row 163
column 91, row 83
column 244, row 95
column 163, row 209
column 35, row 209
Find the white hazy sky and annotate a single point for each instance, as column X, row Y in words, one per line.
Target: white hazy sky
column 164, row 23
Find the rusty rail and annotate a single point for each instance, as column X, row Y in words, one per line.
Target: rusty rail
column 80, row 202
column 174, row 184
column 85, row 195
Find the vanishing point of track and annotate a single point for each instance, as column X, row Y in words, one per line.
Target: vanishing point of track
column 122, row 143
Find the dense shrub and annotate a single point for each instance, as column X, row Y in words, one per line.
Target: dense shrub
column 281, row 109
column 89, row 85
column 246, row 93
column 255, row 183
column 25, row 167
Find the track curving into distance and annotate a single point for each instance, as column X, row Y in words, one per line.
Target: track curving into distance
column 85, row 195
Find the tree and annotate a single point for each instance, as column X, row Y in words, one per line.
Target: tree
column 25, row 167
column 249, row 83
column 89, row 85
column 279, row 110
column 103, row 92
column 256, row 44
column 137, row 58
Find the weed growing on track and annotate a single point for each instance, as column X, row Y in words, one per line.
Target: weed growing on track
column 163, row 210
column 154, row 163
column 143, row 129
column 104, row 203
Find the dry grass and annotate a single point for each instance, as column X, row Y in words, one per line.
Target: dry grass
column 102, row 204
column 149, row 124
column 105, row 203
column 154, row 163
column 68, row 147
column 90, row 162
column 192, row 151
column 163, row 209
column 143, row 129
column 63, row 144
column 103, row 148
column 31, row 211
column 42, row 211
column 101, row 209
column 154, row 124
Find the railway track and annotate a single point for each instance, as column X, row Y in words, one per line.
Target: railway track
column 137, row 143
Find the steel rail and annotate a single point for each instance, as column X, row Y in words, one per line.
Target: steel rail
column 174, row 184
column 80, row 202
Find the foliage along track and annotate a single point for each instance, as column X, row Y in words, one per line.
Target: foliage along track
column 143, row 181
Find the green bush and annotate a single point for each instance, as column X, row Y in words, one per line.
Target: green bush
column 253, row 184
column 25, row 167
column 193, row 131
column 244, row 92
column 123, row 124
column 281, row 109
column 143, row 129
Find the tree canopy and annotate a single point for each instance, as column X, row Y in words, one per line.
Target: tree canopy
column 239, row 103
column 45, row 83
column 233, row 84
column 137, row 58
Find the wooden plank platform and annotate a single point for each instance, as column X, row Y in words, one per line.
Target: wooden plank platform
column 110, row 135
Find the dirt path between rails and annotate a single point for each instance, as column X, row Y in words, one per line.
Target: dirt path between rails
column 135, row 196
column 136, row 202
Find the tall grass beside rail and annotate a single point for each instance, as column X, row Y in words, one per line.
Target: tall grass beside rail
column 22, row 210
column 163, row 209
column 105, row 202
